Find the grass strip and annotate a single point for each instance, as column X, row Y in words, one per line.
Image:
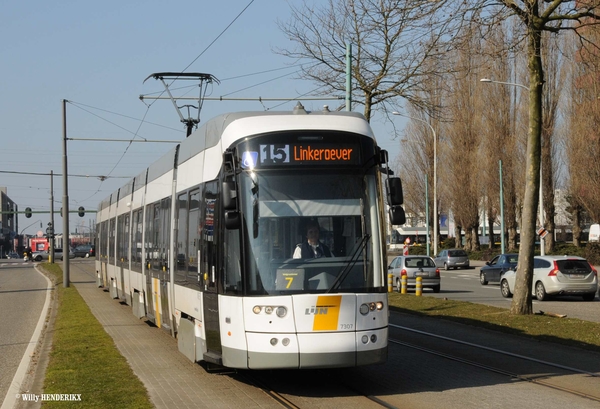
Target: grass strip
column 85, row 360
column 565, row 331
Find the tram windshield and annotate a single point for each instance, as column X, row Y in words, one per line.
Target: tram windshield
column 311, row 231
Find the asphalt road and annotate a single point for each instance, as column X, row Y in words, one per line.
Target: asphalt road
column 22, row 296
column 464, row 285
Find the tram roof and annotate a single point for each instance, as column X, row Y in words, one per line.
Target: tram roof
column 212, row 131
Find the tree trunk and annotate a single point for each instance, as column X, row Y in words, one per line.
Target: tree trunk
column 549, row 223
column 491, row 233
column 458, row 237
column 576, row 217
column 475, row 244
column 522, row 303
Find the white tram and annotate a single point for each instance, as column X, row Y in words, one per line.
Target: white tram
column 202, row 242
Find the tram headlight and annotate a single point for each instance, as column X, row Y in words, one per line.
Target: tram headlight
column 373, row 338
column 285, row 342
column 365, row 339
column 364, row 309
column 273, row 341
column 371, row 306
column 281, row 312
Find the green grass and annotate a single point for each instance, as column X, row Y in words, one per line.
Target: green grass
column 84, row 358
column 566, row 331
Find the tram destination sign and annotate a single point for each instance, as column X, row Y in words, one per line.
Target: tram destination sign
column 299, row 154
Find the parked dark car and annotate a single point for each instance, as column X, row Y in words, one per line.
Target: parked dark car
column 493, row 269
column 84, row 251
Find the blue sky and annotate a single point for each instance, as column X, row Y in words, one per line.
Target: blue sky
column 97, row 55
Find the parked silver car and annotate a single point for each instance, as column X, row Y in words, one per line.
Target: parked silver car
column 452, row 258
column 45, row 255
column 556, row 275
column 413, row 267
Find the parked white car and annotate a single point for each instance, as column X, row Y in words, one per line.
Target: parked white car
column 556, row 275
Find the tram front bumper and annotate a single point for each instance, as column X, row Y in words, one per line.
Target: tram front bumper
column 316, row 350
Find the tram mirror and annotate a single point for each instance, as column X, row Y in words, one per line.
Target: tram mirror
column 397, row 215
column 229, row 194
column 232, row 220
column 383, row 156
column 394, row 191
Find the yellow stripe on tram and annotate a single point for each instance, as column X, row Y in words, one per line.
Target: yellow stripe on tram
column 156, row 288
column 327, row 313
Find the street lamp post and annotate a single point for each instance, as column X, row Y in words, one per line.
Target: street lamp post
column 542, row 242
column 435, row 215
column 22, row 231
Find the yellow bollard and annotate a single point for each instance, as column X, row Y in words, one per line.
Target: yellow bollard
column 419, row 286
column 390, row 281
column 404, row 282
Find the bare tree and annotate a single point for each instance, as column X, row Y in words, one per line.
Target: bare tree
column 583, row 142
column 391, row 42
column 462, row 141
column 536, row 17
column 555, row 79
column 500, row 128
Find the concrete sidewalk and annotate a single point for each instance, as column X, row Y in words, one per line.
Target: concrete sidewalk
column 171, row 379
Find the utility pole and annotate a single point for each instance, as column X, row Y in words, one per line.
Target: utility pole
column 51, row 227
column 65, row 199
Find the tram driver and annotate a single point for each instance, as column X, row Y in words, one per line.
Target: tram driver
column 312, row 247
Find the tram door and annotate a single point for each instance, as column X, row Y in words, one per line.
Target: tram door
column 208, row 251
column 164, row 237
column 157, row 268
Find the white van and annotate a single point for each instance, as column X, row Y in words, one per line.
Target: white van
column 594, row 232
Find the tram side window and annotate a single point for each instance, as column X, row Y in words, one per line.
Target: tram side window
column 193, row 231
column 97, row 239
column 103, row 240
column 149, row 236
column 233, row 271
column 136, row 256
column 208, row 240
column 165, row 234
column 156, row 242
column 111, row 241
column 181, row 244
column 123, row 238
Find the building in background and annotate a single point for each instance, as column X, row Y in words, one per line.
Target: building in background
column 8, row 223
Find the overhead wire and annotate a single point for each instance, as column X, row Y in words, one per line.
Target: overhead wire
column 142, row 121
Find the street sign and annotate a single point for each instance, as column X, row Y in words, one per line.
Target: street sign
column 542, row 232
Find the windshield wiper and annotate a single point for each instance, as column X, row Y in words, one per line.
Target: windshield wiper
column 346, row 270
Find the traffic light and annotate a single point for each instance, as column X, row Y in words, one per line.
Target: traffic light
column 50, row 231
column 28, row 212
column 81, row 212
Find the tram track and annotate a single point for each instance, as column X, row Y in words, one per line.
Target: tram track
column 296, row 400
column 502, row 371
